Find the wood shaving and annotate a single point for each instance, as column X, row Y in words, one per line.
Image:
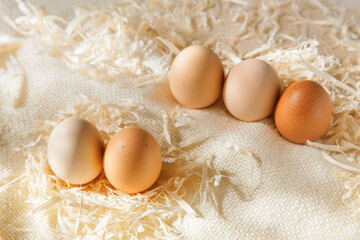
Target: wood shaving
column 12, row 82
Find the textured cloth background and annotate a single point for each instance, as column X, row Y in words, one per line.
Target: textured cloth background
column 290, row 194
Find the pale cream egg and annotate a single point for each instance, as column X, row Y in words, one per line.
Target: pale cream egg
column 75, row 151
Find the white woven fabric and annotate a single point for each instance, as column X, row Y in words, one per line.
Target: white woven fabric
column 290, row 193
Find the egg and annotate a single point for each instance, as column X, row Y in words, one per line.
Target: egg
column 303, row 112
column 251, row 90
column 132, row 160
column 196, row 77
column 75, row 151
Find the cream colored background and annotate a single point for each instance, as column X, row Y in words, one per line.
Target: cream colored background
column 292, row 194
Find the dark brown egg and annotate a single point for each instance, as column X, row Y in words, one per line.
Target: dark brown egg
column 303, row 112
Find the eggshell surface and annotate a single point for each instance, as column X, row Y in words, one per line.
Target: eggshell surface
column 196, row 77
column 303, row 112
column 132, row 160
column 251, row 90
column 75, row 151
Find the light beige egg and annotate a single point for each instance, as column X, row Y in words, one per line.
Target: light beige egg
column 132, row 160
column 75, row 151
column 251, row 90
column 196, row 77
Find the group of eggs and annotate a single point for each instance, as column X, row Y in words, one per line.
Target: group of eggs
column 132, row 158
column 251, row 92
column 131, row 161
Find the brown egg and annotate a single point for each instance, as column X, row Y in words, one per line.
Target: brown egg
column 303, row 112
column 132, row 160
column 196, row 77
column 251, row 90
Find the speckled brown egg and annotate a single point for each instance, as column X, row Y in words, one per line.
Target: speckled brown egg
column 196, row 77
column 303, row 112
column 132, row 160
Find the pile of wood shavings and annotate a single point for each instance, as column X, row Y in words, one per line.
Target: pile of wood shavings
column 97, row 210
column 101, row 44
column 140, row 39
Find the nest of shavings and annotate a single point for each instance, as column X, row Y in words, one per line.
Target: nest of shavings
column 99, row 211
